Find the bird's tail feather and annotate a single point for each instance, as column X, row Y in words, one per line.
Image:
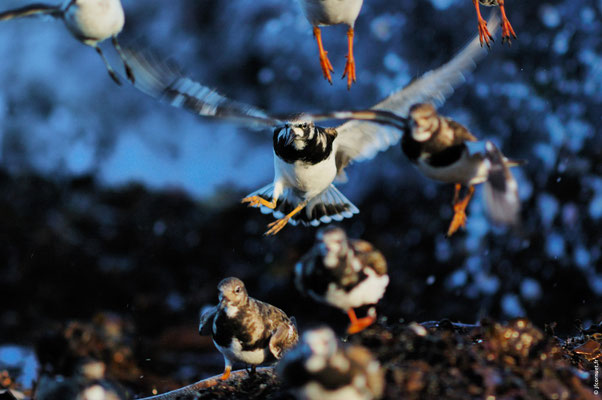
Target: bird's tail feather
column 31, row 10
column 501, row 189
column 330, row 205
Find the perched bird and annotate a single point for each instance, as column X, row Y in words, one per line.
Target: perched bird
column 333, row 12
column 344, row 273
column 484, row 34
column 307, row 158
column 247, row 330
column 90, row 21
column 446, row 151
column 322, row 368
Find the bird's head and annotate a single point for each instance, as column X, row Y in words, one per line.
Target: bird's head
column 232, row 292
column 424, row 121
column 333, row 243
column 321, row 341
column 298, row 134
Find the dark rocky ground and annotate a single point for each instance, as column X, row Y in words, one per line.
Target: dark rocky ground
column 119, row 275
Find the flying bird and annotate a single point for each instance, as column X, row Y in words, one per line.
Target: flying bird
column 333, row 12
column 89, row 21
column 344, row 273
column 308, row 158
column 323, row 368
column 247, row 330
column 484, row 34
column 444, row 150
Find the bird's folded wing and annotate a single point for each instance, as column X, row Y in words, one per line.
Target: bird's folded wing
column 360, row 139
column 164, row 80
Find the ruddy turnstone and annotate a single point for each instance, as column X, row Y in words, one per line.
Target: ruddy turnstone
column 247, row 330
column 322, row 368
column 446, row 151
column 307, row 158
column 333, row 12
column 90, row 22
column 484, row 34
column 344, row 273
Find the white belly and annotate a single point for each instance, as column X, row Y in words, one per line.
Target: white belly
column 331, row 12
column 468, row 171
column 309, row 179
column 370, row 291
column 95, row 20
column 234, row 353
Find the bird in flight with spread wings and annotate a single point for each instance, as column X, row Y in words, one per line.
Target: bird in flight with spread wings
column 308, row 158
column 90, row 22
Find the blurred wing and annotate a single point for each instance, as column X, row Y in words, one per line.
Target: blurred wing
column 206, row 320
column 361, row 140
column 165, row 81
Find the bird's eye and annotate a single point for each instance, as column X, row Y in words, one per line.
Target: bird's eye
column 304, row 126
column 237, row 290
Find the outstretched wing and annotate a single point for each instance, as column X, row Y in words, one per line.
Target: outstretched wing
column 165, row 81
column 360, row 140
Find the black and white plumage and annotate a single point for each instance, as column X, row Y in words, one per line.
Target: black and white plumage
column 90, row 22
column 344, row 273
column 307, row 158
column 247, row 330
column 333, row 12
column 322, row 368
column 446, row 151
column 484, row 34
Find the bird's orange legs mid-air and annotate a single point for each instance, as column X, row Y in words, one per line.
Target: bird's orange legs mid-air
column 459, row 219
column 484, row 35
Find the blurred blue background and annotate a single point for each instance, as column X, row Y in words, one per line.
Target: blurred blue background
column 540, row 100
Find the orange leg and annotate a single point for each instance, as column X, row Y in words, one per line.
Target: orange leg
column 484, row 34
column 256, row 201
column 324, row 62
column 277, row 225
column 358, row 325
column 350, row 66
column 226, row 373
column 506, row 27
column 459, row 219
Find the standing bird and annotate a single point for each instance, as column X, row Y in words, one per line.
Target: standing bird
column 322, row 368
column 344, row 273
column 333, row 12
column 90, row 21
column 247, row 330
column 446, row 151
column 484, row 34
column 307, row 158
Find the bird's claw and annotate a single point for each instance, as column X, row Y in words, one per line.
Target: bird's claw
column 276, row 226
column 349, row 72
column 507, row 32
column 257, row 201
column 360, row 324
column 484, row 34
column 459, row 221
column 326, row 66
